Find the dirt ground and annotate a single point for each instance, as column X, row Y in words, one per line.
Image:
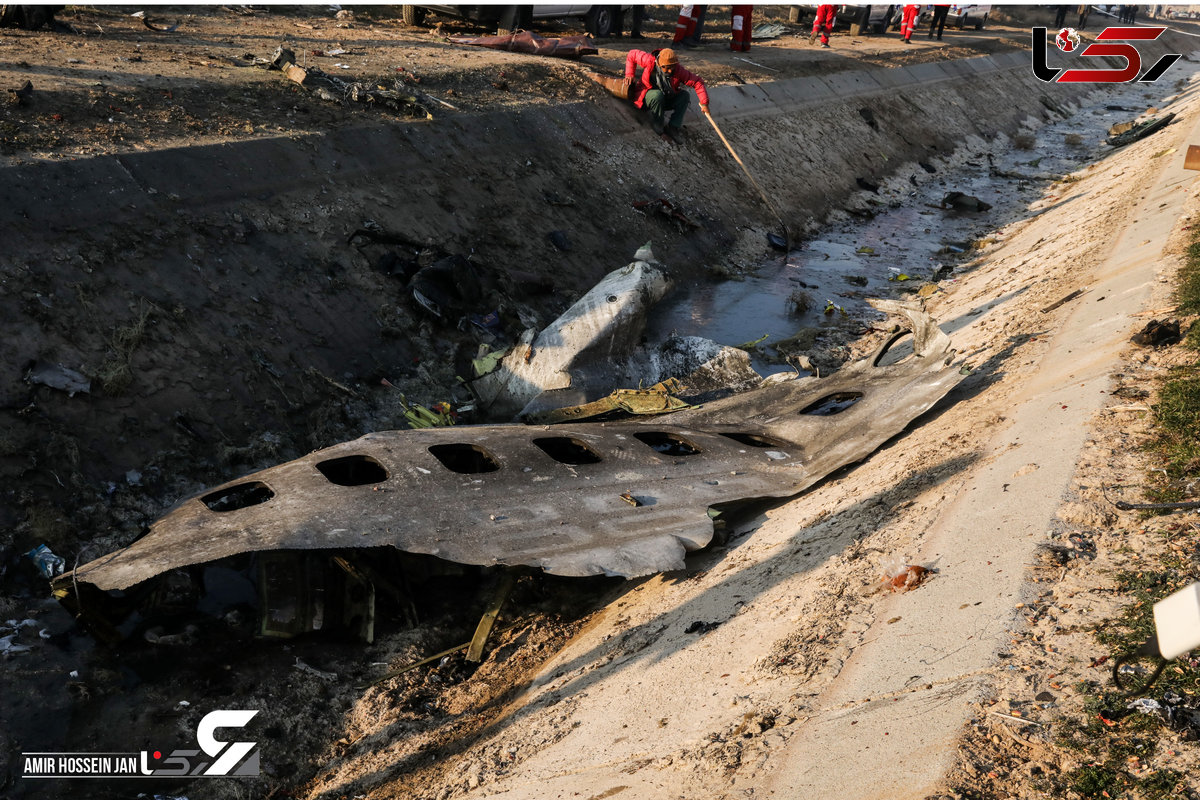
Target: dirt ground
column 87, row 481
column 117, row 86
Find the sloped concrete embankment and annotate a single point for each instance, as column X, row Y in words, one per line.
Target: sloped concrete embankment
column 212, row 294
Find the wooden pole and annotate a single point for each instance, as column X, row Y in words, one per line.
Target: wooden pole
column 761, row 193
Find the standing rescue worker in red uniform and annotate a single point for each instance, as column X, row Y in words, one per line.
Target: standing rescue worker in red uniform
column 740, row 19
column 657, row 84
column 823, row 24
column 908, row 22
column 690, row 25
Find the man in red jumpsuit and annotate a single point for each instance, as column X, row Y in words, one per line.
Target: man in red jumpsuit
column 823, row 24
column 909, row 21
column 740, row 18
column 690, row 25
column 657, row 85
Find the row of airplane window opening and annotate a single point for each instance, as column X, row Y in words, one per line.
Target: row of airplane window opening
column 471, row 459
column 466, row 459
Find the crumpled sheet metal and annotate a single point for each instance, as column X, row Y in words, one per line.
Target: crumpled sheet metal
column 529, row 42
column 604, row 324
column 534, row 510
column 596, row 344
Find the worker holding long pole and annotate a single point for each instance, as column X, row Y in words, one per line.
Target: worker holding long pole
column 655, row 82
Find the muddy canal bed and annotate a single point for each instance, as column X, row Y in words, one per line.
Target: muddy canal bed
column 924, row 225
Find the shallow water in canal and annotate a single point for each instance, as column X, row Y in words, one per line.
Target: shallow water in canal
column 869, row 245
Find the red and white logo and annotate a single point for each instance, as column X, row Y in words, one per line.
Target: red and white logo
column 1111, row 42
column 1067, row 40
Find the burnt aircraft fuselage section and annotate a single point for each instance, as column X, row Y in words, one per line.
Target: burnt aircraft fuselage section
column 617, row 498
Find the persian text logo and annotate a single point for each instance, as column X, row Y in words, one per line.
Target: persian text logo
column 219, row 760
column 1110, row 42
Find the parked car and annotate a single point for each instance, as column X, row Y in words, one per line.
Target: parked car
column 968, row 16
column 600, row 21
column 858, row 19
column 884, row 18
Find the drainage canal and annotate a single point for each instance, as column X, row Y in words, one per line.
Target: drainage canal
column 919, row 226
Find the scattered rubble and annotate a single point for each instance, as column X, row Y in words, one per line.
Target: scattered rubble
column 964, row 202
column 530, row 42
column 1119, row 136
column 1158, row 334
column 56, row 376
column 400, row 98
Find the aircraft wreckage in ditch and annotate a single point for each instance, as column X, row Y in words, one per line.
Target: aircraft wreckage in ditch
column 624, row 498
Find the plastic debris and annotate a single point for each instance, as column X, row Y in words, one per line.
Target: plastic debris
column 768, row 30
column 1158, row 334
column 487, row 360
column 488, row 323
column 20, row 97
column 438, row 416
column 1145, row 705
column 56, row 376
column 528, row 42
column 900, row 576
column 400, row 98
column 964, row 202
column 658, row 399
column 13, row 629
column 46, row 562
column 8, row 648
column 449, row 287
column 158, row 28
column 1120, row 138
column 831, row 307
column 1174, row 711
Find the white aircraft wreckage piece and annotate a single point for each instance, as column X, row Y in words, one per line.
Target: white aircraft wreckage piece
column 623, row 498
column 596, row 344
